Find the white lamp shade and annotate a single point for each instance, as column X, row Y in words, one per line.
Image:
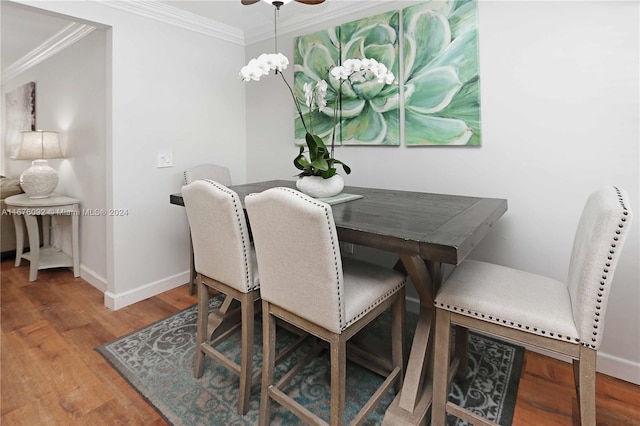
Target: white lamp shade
column 39, row 144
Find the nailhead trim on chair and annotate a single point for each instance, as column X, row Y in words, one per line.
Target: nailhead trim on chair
column 238, row 209
column 600, row 294
column 528, row 328
column 605, row 270
column 374, row 304
column 333, row 243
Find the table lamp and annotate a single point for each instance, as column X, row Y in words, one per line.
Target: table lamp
column 39, row 180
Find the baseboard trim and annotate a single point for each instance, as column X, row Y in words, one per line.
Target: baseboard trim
column 619, row 368
column 116, row 301
column 610, row 365
column 93, row 278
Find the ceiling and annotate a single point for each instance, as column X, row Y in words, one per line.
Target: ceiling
column 252, row 17
column 25, row 29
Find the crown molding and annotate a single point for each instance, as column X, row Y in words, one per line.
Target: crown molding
column 301, row 21
column 174, row 16
column 58, row 42
column 178, row 17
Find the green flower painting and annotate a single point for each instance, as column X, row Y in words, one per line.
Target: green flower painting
column 438, row 89
column 441, row 74
column 368, row 110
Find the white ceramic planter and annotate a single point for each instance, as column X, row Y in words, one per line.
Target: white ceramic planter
column 317, row 187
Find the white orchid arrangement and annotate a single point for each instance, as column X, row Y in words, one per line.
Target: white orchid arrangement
column 320, row 161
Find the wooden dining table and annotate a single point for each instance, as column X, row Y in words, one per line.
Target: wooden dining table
column 425, row 230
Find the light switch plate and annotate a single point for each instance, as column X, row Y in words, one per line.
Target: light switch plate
column 165, row 159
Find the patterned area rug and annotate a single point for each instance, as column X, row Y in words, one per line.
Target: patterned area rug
column 157, row 361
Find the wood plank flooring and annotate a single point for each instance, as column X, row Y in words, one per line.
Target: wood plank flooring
column 51, row 374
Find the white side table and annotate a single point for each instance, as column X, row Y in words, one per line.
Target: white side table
column 47, row 256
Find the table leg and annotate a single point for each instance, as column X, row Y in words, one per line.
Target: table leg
column 75, row 253
column 34, row 246
column 17, row 222
column 222, row 319
column 412, row 403
column 46, row 230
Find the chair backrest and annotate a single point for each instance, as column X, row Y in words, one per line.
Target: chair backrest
column 298, row 255
column 221, row 244
column 213, row 172
column 601, row 232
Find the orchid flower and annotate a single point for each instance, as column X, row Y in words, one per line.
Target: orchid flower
column 321, row 161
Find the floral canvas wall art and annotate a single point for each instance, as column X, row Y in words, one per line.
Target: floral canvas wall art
column 440, row 82
column 441, row 74
column 368, row 111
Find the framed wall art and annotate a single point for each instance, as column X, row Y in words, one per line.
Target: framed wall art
column 20, row 105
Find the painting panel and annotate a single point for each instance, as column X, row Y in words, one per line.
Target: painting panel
column 370, row 113
column 441, row 74
column 367, row 112
column 20, row 106
column 314, row 56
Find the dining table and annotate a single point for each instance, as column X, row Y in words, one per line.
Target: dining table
column 426, row 231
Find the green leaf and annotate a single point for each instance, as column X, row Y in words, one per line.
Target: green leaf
column 313, row 146
column 328, row 173
column 462, row 54
column 300, row 162
column 428, row 130
column 368, row 128
column 318, row 61
column 432, row 90
column 346, row 168
column 429, row 35
column 320, row 164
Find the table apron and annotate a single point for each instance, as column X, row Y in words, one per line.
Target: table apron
column 382, row 242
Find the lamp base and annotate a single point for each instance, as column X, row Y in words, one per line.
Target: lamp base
column 39, row 180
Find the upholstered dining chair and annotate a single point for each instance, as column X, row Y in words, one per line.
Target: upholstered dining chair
column 305, row 282
column 563, row 317
column 225, row 261
column 215, row 173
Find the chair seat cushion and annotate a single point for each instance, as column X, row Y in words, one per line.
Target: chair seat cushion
column 365, row 286
column 513, row 298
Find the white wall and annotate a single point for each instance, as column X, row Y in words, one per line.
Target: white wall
column 71, row 99
column 559, row 111
column 167, row 89
column 560, row 108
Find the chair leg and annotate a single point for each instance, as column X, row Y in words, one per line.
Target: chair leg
column 398, row 333
column 441, row 368
column 268, row 362
column 338, row 349
column 246, row 360
column 462, row 351
column 201, row 327
column 192, row 269
column 587, row 386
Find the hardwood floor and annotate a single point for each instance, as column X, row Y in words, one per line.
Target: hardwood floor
column 51, row 374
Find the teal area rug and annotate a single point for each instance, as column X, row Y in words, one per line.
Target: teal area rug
column 157, row 361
